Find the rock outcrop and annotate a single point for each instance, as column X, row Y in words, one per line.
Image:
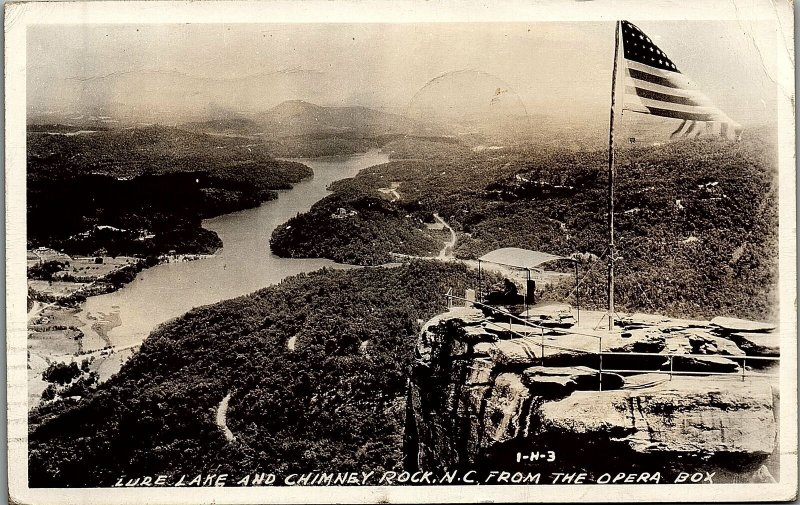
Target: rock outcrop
column 681, row 416
column 483, row 393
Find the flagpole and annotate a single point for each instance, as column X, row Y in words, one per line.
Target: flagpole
column 611, row 173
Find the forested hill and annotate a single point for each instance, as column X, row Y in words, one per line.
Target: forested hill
column 316, row 368
column 143, row 190
column 696, row 219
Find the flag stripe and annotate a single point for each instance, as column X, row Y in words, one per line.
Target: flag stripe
column 656, row 111
column 693, row 93
column 655, row 79
column 675, row 77
column 654, row 95
column 693, row 109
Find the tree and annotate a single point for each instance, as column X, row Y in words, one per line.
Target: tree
column 61, row 373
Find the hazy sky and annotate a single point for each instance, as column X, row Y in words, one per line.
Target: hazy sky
column 555, row 68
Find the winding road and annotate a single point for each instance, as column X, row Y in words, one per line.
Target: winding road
column 222, row 411
column 37, row 309
column 446, row 254
column 451, row 243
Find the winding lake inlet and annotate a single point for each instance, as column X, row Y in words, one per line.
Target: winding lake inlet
column 243, row 265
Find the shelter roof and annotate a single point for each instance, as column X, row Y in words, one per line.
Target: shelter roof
column 520, row 258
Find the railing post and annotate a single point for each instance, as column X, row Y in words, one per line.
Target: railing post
column 600, row 371
column 670, row 366
column 744, row 366
column 480, row 283
column 542, row 346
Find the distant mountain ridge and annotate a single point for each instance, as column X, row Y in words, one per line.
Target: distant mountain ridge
column 298, row 117
column 169, row 95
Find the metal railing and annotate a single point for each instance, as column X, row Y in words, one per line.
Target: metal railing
column 600, row 352
column 672, row 356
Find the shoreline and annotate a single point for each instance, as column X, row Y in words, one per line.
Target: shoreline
column 95, row 341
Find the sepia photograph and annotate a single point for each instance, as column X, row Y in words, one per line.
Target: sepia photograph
column 351, row 252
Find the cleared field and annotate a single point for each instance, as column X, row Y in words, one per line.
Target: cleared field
column 52, row 342
column 56, row 288
column 88, row 269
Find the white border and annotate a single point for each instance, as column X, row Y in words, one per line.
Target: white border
column 20, row 15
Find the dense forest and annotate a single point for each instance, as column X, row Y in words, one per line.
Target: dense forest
column 316, row 366
column 696, row 220
column 334, row 402
column 316, row 145
column 364, row 232
column 143, row 191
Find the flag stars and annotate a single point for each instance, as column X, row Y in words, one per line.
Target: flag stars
column 640, row 48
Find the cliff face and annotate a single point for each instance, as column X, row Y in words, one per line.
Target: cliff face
column 481, row 400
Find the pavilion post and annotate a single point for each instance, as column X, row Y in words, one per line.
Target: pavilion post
column 480, row 283
column 577, row 293
column 527, row 286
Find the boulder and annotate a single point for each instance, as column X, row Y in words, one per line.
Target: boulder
column 452, row 333
column 710, row 364
column 517, row 351
column 731, row 324
column 552, row 316
column 553, row 382
column 680, row 416
column 464, row 315
column 558, row 350
column 758, row 344
column 630, row 324
column 513, row 330
column 640, row 320
column 703, row 342
column 564, row 321
column 638, row 341
column 551, row 386
column 477, row 334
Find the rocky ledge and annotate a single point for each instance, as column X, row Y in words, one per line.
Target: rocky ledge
column 488, row 394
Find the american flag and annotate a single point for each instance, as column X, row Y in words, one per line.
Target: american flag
column 654, row 85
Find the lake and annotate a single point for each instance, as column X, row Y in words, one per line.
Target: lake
column 243, row 265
